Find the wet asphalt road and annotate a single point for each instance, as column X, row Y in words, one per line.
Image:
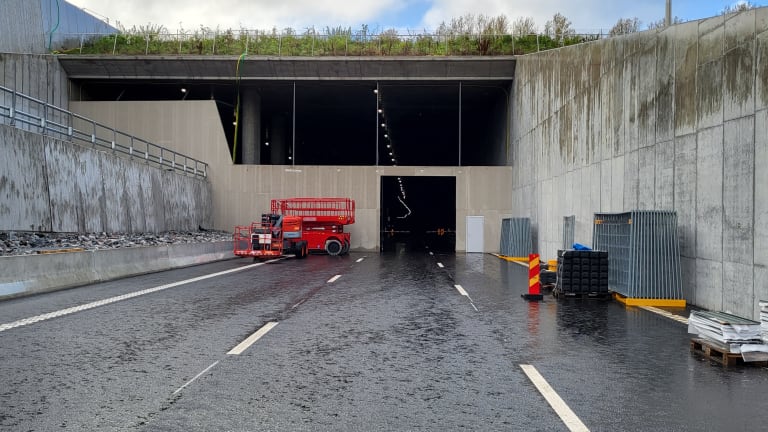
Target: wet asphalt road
column 389, row 345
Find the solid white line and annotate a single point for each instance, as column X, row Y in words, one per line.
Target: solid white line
column 83, row 307
column 568, row 417
column 242, row 346
column 440, row 265
column 197, row 376
column 473, row 305
column 361, row 259
column 662, row 312
column 461, row 290
column 298, row 304
column 334, row 279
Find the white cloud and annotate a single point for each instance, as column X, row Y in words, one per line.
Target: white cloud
column 253, row 14
column 586, row 15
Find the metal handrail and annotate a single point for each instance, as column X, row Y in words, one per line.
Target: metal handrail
column 60, row 123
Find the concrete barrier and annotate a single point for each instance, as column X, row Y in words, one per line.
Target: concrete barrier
column 34, row 274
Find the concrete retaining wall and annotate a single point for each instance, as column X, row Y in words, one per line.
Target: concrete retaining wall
column 671, row 120
column 52, row 185
column 34, row 274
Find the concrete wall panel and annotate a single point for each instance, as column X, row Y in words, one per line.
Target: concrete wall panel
column 709, row 284
column 739, row 81
column 738, row 288
column 709, row 194
column 761, row 65
column 685, row 193
column 24, row 200
column 738, row 192
column 631, row 180
column 686, row 61
column 761, row 191
column 646, row 188
column 709, row 94
column 664, row 197
column 76, row 188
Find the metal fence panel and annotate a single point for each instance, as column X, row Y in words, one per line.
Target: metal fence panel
column 644, row 252
column 516, row 238
column 569, row 231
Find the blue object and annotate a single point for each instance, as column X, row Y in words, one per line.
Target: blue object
column 581, row 247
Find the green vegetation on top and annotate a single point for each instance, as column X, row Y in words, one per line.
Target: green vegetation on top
column 465, row 36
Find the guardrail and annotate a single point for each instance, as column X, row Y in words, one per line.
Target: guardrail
column 312, row 44
column 32, row 114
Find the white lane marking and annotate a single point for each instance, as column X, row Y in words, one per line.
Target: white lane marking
column 360, row 260
column 461, row 290
column 662, row 312
column 440, row 265
column 197, row 376
column 298, row 304
column 83, row 307
column 242, row 346
column 558, row 404
column 334, row 279
column 473, row 305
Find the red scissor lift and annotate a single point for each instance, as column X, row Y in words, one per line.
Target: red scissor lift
column 322, row 220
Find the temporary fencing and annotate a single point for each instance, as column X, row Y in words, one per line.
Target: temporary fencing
column 644, row 253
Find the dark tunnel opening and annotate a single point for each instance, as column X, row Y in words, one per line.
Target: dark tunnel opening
column 418, row 213
column 406, row 123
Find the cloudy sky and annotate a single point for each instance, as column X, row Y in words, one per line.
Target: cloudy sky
column 414, row 15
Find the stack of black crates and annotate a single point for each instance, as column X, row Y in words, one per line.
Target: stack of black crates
column 582, row 274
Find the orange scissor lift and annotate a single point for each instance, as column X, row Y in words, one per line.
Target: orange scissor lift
column 322, row 219
column 298, row 226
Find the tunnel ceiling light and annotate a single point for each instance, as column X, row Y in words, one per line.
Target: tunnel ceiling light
column 376, row 91
column 183, row 90
column 266, row 143
column 390, row 153
column 389, row 145
column 381, row 110
column 383, row 125
column 386, row 136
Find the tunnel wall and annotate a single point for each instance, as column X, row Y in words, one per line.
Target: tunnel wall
column 242, row 192
column 675, row 119
column 37, row 76
column 51, row 185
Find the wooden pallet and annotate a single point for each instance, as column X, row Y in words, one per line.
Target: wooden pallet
column 721, row 355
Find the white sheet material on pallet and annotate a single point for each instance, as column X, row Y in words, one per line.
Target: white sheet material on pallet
column 724, row 328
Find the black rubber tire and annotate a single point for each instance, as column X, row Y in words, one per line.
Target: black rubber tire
column 345, row 248
column 303, row 250
column 333, row 247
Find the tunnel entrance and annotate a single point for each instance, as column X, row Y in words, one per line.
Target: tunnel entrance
column 418, row 213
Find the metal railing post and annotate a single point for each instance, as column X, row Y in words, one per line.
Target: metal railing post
column 114, row 46
column 93, row 134
column 13, row 109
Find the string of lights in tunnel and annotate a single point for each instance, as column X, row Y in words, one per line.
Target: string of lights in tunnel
column 390, row 147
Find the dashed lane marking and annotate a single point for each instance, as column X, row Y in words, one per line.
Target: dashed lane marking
column 242, row 346
column 463, row 292
column 662, row 312
column 334, row 279
column 84, row 307
column 360, row 260
column 572, row 422
column 197, row 376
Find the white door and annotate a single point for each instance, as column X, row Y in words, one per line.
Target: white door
column 475, row 234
